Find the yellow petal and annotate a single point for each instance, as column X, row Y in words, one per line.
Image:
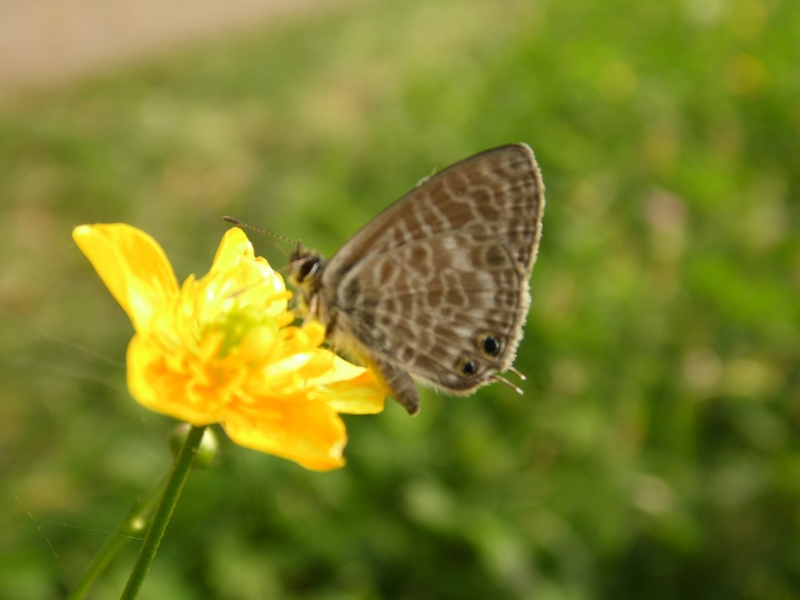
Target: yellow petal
column 339, row 369
column 157, row 385
column 233, row 249
column 131, row 264
column 363, row 395
column 236, row 260
column 310, row 433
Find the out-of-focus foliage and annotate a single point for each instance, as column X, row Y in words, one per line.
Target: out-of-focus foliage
column 655, row 453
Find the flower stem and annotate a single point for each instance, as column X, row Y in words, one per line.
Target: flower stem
column 172, row 491
column 133, row 523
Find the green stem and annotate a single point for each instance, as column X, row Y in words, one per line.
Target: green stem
column 131, row 526
column 180, row 471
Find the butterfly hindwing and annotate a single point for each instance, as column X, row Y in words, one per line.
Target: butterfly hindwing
column 433, row 315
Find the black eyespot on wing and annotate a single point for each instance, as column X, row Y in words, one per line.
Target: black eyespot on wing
column 490, row 345
column 469, row 368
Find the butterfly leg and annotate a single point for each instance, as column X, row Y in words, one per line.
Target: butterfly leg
column 311, row 312
column 401, row 386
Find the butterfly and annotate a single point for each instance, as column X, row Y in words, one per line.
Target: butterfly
column 436, row 287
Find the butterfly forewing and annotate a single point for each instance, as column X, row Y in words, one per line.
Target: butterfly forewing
column 436, row 286
column 498, row 192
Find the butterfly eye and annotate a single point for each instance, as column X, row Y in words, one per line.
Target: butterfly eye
column 490, row 345
column 307, row 267
column 468, row 368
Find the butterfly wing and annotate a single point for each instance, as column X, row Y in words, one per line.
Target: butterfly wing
column 436, row 286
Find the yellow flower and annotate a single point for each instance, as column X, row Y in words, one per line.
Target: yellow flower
column 221, row 349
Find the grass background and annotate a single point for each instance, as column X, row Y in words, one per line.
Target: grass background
column 655, row 453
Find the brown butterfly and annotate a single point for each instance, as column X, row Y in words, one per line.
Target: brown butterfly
column 436, row 287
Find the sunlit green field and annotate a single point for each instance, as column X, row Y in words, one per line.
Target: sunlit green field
column 655, row 452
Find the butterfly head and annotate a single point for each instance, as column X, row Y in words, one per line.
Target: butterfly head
column 305, row 272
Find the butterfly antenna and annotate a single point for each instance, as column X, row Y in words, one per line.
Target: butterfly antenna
column 259, row 230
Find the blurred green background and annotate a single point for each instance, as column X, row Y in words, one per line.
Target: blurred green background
column 655, row 452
